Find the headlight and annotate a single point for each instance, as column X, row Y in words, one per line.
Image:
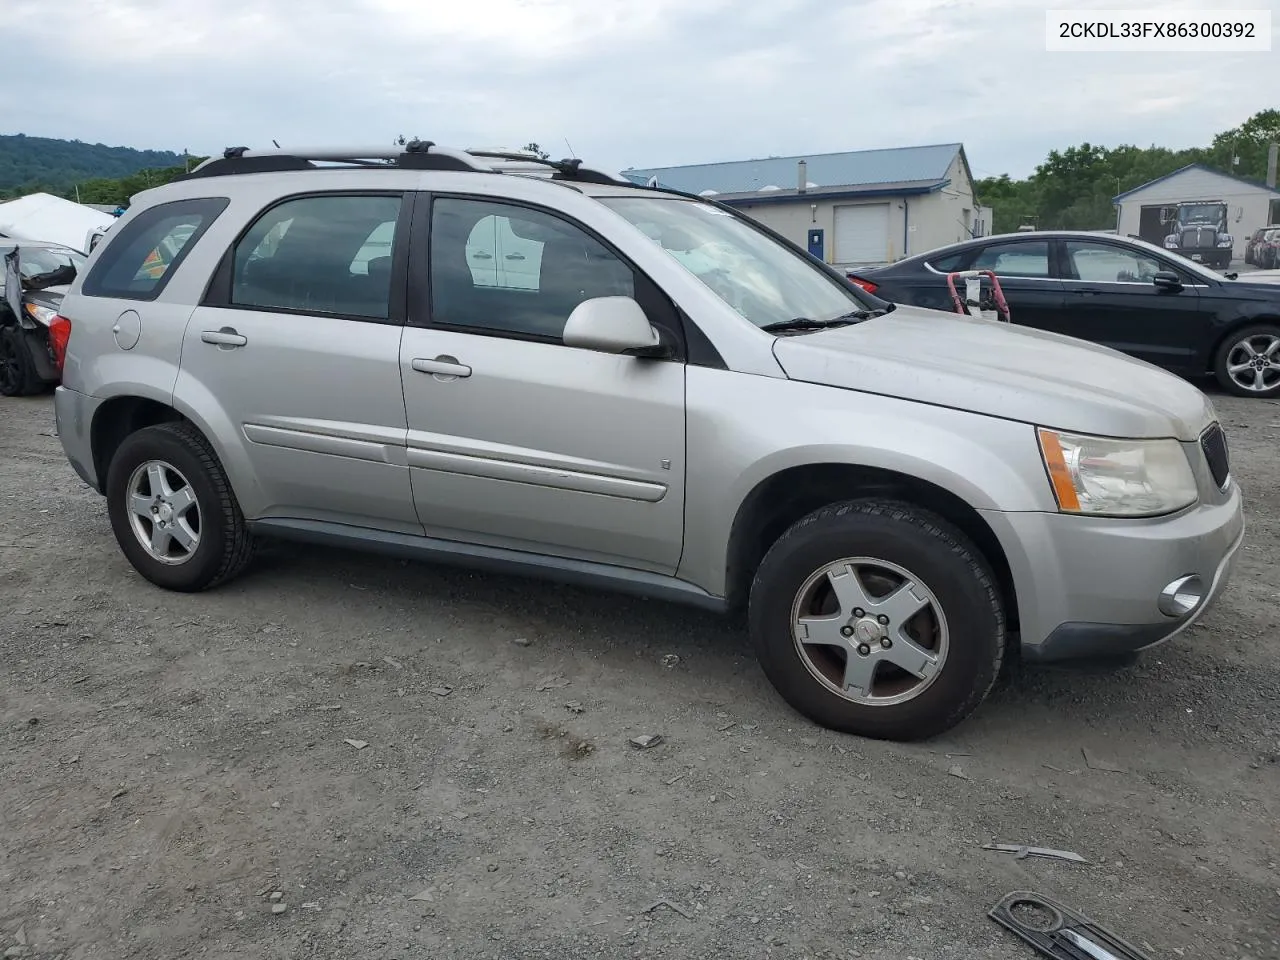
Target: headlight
column 39, row 314
column 1126, row 478
column 1226, row 241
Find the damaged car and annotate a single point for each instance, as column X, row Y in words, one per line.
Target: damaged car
column 35, row 278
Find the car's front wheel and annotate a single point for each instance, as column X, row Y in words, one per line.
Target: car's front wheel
column 878, row 618
column 1248, row 362
column 173, row 511
column 17, row 373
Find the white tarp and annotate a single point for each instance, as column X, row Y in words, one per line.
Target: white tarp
column 42, row 216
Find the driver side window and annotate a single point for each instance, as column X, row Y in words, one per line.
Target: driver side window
column 1104, row 263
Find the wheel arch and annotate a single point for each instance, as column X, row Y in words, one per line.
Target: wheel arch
column 116, row 419
column 779, row 500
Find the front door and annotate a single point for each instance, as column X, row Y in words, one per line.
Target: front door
column 1111, row 299
column 297, row 348
column 516, row 440
column 1026, row 278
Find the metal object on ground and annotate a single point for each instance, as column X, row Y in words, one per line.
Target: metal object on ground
column 1058, row 931
column 1022, row 851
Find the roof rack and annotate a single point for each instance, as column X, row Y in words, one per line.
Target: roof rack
column 413, row 155
column 569, row 169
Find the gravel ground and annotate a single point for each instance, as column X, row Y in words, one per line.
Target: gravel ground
column 423, row 762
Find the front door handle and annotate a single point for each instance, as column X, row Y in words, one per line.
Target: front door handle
column 226, row 337
column 442, row 367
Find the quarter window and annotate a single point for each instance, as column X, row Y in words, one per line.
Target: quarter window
column 137, row 263
column 1029, row 258
column 319, row 255
column 510, row 269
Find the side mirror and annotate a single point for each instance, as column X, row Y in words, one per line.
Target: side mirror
column 1166, row 280
column 612, row 325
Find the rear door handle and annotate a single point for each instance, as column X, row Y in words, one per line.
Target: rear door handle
column 515, row 256
column 442, row 366
column 226, row 337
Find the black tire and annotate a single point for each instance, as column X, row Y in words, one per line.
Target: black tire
column 940, row 557
column 18, row 377
column 225, row 544
column 1223, row 358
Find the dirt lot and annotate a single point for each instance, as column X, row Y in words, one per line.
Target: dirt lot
column 170, row 762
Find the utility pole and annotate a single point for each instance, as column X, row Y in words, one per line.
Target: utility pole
column 1273, row 152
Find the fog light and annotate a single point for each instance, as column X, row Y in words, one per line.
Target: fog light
column 1182, row 596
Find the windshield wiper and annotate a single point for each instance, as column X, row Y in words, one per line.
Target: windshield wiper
column 808, row 323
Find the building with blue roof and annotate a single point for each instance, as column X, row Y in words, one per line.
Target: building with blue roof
column 849, row 209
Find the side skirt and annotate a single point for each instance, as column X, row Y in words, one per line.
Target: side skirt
column 581, row 573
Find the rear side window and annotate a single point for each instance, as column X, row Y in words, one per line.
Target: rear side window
column 951, row 262
column 141, row 258
column 1027, row 258
column 319, row 255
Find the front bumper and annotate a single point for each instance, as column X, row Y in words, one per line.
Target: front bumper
column 73, row 413
column 1091, row 586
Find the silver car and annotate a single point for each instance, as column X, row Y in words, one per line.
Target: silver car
column 448, row 355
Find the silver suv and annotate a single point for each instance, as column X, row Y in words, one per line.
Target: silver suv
column 543, row 369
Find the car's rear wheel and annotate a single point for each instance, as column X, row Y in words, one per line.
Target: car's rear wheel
column 878, row 618
column 1248, row 362
column 18, row 375
column 173, row 511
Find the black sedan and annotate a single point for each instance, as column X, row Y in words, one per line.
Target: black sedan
column 1124, row 293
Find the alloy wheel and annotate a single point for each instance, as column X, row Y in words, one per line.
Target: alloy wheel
column 870, row 631
column 163, row 512
column 1254, row 362
column 10, row 367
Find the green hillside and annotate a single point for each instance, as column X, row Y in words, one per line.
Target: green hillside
column 28, row 164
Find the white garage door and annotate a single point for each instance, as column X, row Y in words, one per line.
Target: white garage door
column 862, row 233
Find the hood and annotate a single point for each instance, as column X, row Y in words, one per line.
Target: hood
column 999, row 370
column 1266, row 279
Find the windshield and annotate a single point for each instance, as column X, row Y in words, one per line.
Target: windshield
column 760, row 278
column 1201, row 213
column 35, row 261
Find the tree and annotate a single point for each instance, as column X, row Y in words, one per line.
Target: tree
column 1074, row 188
column 1249, row 142
column 536, row 150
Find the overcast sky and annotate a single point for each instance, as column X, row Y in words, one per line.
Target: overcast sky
column 626, row 82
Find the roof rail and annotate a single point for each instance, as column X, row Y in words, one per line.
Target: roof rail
column 564, row 169
column 413, row 155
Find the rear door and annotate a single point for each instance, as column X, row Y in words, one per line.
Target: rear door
column 295, row 350
column 516, row 440
column 1111, row 299
column 1024, row 268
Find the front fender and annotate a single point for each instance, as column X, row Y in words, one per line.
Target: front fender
column 775, row 425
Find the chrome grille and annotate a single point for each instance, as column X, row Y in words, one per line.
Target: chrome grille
column 1214, row 444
